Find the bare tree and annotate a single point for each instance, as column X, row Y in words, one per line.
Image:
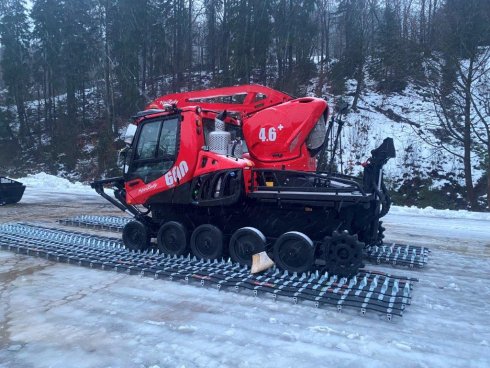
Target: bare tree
column 463, row 28
column 480, row 102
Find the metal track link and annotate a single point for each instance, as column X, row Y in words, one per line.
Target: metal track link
column 393, row 254
column 112, row 223
column 369, row 290
column 398, row 254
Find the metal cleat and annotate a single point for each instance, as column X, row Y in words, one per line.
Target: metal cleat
column 394, row 288
column 384, row 287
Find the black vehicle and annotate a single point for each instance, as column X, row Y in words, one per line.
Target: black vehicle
column 11, row 191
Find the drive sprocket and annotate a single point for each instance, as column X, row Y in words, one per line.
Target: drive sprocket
column 343, row 253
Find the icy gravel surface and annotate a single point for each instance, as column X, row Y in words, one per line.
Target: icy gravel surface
column 57, row 315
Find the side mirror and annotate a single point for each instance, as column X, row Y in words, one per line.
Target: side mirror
column 122, row 156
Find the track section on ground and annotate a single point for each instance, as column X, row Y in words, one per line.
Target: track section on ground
column 393, row 254
column 398, row 254
column 112, row 223
column 367, row 291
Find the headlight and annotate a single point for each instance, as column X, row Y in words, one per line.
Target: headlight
column 317, row 134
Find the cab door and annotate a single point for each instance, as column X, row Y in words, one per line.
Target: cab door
column 156, row 149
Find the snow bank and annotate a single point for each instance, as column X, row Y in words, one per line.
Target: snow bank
column 432, row 212
column 43, row 181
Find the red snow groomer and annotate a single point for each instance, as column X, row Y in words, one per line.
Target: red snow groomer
column 239, row 171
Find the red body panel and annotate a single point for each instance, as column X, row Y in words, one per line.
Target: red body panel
column 275, row 128
column 243, row 99
column 276, row 136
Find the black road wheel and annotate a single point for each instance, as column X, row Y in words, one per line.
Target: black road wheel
column 172, row 238
column 294, row 252
column 244, row 243
column 136, row 235
column 207, row 242
column 343, row 253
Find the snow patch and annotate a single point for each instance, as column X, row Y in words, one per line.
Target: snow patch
column 431, row 212
column 45, row 181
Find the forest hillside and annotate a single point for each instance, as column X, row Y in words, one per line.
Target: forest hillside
column 72, row 73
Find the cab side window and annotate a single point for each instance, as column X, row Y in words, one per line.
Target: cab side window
column 156, row 149
column 148, row 140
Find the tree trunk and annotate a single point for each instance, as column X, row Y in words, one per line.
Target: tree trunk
column 189, row 46
column 21, row 114
column 360, row 80
column 488, row 173
column 470, row 191
column 107, row 76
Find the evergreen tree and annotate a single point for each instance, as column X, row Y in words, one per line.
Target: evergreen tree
column 15, row 37
column 212, row 55
column 47, row 18
column 392, row 52
column 126, row 38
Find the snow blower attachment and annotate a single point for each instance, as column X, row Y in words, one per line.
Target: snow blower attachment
column 242, row 171
column 11, row 191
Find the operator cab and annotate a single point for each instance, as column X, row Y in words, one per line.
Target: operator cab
column 153, row 148
column 156, row 149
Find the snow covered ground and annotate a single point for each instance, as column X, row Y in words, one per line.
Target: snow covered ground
column 56, row 315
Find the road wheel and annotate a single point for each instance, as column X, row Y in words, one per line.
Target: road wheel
column 207, row 242
column 244, row 243
column 172, row 238
column 136, row 236
column 294, row 252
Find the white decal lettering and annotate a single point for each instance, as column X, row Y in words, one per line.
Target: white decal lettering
column 148, row 188
column 177, row 173
column 271, row 134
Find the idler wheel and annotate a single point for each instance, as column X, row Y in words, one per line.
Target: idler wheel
column 172, row 238
column 343, row 253
column 244, row 243
column 294, row 252
column 207, row 242
column 136, row 236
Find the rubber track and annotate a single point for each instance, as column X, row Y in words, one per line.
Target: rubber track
column 393, row 254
